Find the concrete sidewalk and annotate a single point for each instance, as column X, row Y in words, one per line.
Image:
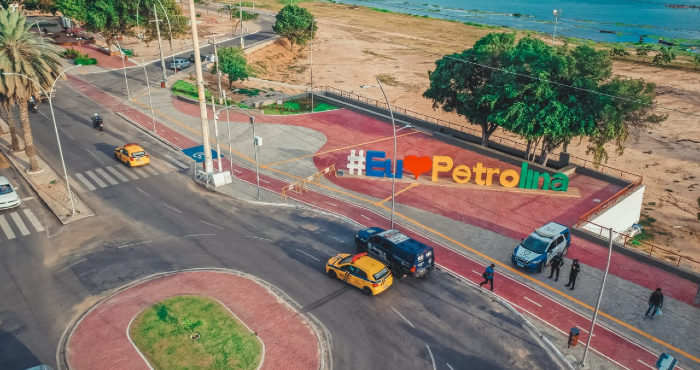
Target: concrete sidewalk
column 50, row 187
column 677, row 332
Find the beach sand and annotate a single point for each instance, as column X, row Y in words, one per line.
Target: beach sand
column 355, row 45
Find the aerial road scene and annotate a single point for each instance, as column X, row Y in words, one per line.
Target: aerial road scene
column 370, row 184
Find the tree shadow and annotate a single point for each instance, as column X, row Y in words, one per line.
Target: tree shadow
column 13, row 353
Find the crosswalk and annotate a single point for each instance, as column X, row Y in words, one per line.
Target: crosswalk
column 117, row 173
column 21, row 222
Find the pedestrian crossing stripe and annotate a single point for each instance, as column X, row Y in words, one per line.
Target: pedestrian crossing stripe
column 100, row 178
column 13, row 222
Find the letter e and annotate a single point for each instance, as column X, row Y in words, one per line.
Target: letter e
column 461, row 174
column 373, row 162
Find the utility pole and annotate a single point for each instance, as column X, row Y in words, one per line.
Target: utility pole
column 160, row 48
column 200, row 91
column 240, row 14
column 218, row 71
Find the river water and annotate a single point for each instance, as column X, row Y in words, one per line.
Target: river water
column 622, row 20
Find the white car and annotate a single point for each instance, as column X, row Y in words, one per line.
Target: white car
column 8, row 196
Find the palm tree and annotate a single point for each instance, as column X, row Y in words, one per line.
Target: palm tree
column 9, row 117
column 21, row 53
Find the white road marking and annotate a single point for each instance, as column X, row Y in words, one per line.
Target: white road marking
column 477, row 272
column 237, row 171
column 178, row 163
column 67, row 134
column 132, row 244
column 127, row 171
column 333, row 204
column 256, row 237
column 73, row 264
column 174, row 209
column 403, row 317
column 27, row 198
column 188, row 235
column 106, row 176
column 164, row 163
column 117, row 174
column 139, row 171
column 85, row 181
column 151, row 170
column 308, row 255
column 432, row 359
column 94, row 156
column 35, row 222
column 450, row 366
column 6, row 228
column 96, row 179
column 265, row 181
column 533, row 302
column 584, row 330
column 212, row 225
column 645, row 364
column 144, row 193
column 366, row 217
column 20, row 224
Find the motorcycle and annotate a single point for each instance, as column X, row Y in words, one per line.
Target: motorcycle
column 32, row 105
column 97, row 123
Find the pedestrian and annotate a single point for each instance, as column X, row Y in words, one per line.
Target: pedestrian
column 575, row 269
column 656, row 301
column 488, row 276
column 556, row 263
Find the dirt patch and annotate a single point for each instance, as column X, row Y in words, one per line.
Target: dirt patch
column 356, row 45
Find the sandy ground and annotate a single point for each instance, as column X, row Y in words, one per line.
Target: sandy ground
column 354, row 46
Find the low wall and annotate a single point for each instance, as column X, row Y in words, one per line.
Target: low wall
column 624, row 213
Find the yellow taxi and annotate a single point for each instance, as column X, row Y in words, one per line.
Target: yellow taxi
column 132, row 154
column 360, row 270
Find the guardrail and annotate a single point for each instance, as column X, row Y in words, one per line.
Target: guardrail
column 654, row 251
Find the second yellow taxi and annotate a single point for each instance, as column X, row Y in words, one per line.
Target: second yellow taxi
column 360, row 270
column 132, row 154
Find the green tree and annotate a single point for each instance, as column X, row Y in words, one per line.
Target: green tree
column 643, row 50
column 618, row 51
column 233, row 63
column 47, row 6
column 665, row 56
column 462, row 82
column 296, row 24
column 21, row 52
column 696, row 59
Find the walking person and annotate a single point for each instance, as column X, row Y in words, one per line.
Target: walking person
column 575, row 269
column 556, row 263
column 656, row 301
column 488, row 276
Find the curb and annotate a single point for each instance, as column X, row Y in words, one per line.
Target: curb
column 321, row 332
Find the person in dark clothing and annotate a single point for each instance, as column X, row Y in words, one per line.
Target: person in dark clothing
column 575, row 269
column 488, row 276
column 656, row 301
column 556, row 263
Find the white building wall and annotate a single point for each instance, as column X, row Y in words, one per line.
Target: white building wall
column 620, row 216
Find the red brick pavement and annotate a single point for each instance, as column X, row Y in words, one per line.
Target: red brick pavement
column 100, row 340
column 103, row 60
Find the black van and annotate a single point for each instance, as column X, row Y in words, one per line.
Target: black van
column 403, row 255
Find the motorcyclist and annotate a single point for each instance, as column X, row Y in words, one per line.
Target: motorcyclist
column 32, row 104
column 97, row 120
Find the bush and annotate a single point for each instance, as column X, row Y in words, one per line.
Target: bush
column 181, row 87
column 665, row 56
column 128, row 52
column 71, row 54
column 85, row 60
column 618, row 51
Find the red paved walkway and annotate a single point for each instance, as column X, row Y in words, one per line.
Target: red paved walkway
column 100, row 340
column 103, row 60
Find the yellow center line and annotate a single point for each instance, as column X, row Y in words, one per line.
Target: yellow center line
column 409, row 187
column 437, row 233
column 339, row 149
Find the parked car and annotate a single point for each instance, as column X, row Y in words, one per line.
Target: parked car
column 403, row 255
column 179, row 63
column 202, row 58
column 8, row 196
column 535, row 251
column 361, row 271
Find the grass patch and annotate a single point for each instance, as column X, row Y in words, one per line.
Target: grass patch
column 184, row 88
column 248, row 92
column 297, row 106
column 192, row 332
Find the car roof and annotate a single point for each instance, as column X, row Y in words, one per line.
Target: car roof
column 4, row 180
column 369, row 264
column 551, row 230
column 403, row 241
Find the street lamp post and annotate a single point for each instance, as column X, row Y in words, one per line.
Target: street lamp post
column 600, row 297
column 40, row 34
column 556, row 13
column 55, row 127
column 160, row 47
column 393, row 171
column 240, row 14
column 216, row 134
column 255, row 142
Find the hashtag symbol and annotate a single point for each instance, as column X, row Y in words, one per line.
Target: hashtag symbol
column 356, row 162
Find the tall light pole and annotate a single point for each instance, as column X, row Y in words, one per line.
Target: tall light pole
column 218, row 70
column 556, row 13
column 255, row 142
column 200, row 90
column 55, row 127
column 216, row 133
column 145, row 72
column 40, row 34
column 240, row 14
column 600, row 297
column 160, row 47
column 393, row 171
column 121, row 52
column 311, row 51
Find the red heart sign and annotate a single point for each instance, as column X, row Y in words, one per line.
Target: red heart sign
column 417, row 165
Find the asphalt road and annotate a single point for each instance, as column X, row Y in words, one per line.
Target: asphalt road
column 162, row 221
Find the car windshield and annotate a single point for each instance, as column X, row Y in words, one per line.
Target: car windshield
column 346, row 260
column 5, row 189
column 536, row 244
column 381, row 274
column 138, row 154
